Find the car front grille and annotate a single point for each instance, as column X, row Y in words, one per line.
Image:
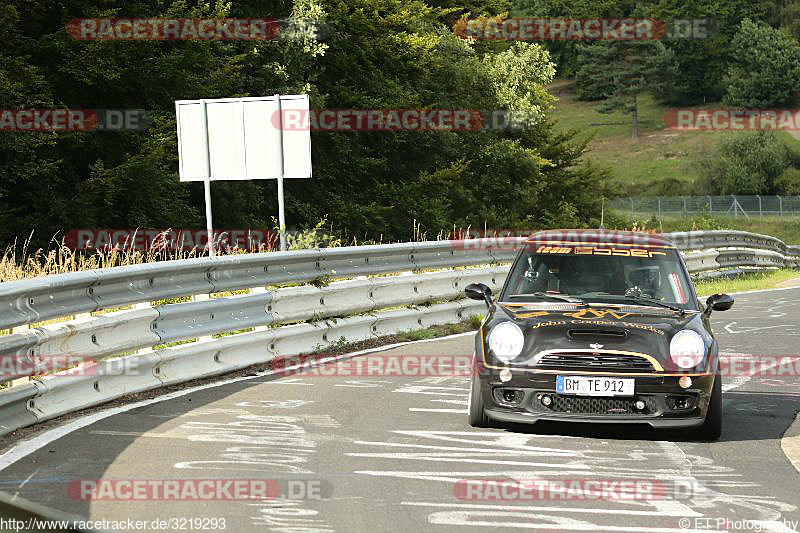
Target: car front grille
column 597, row 406
column 595, row 362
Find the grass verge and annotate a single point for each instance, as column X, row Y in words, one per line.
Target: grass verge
column 747, row 282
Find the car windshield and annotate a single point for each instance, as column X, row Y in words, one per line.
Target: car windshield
column 601, row 274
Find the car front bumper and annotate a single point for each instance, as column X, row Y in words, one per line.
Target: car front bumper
column 520, row 400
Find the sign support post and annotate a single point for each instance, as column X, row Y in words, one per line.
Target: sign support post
column 207, row 183
column 281, row 212
column 209, row 222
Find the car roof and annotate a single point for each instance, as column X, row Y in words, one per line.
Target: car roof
column 597, row 236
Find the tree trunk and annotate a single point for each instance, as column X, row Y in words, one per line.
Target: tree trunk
column 635, row 120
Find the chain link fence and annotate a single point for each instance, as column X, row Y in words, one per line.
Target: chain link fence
column 733, row 206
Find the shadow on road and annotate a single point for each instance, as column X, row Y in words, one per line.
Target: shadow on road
column 749, row 416
column 44, row 475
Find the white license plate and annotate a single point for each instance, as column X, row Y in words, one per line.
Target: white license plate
column 594, row 386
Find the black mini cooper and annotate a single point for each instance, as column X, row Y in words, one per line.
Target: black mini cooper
column 596, row 326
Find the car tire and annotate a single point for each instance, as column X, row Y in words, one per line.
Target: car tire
column 711, row 429
column 475, row 408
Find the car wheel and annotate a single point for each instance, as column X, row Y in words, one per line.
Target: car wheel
column 475, row 409
column 712, row 427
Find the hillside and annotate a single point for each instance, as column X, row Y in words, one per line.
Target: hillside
column 647, row 166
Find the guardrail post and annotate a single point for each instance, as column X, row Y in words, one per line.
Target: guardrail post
column 659, row 206
column 19, row 381
column 259, row 290
column 143, row 305
column 780, row 204
column 760, row 212
column 202, row 298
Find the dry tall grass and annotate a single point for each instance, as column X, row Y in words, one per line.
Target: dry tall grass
column 24, row 263
column 19, row 263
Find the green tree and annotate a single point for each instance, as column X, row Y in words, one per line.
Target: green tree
column 53, row 182
column 370, row 54
column 702, row 60
column 565, row 53
column 764, row 69
column 617, row 72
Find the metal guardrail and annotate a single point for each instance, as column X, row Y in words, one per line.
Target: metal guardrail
column 284, row 321
column 35, row 300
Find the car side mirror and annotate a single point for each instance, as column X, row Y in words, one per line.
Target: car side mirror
column 719, row 302
column 479, row 291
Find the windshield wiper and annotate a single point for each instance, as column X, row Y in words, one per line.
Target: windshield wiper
column 640, row 299
column 561, row 297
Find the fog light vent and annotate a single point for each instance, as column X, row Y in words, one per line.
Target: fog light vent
column 680, row 403
column 509, row 396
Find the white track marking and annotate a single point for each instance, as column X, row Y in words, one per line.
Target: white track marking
column 528, row 521
column 26, row 447
column 538, row 508
column 749, row 329
column 453, row 457
column 667, row 461
column 534, row 451
column 452, row 411
column 738, row 381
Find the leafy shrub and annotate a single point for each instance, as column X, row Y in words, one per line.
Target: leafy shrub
column 310, row 238
column 745, row 163
column 788, row 182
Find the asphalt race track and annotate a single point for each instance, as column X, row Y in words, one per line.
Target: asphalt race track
column 385, row 452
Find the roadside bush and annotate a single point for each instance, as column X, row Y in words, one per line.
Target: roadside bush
column 311, row 238
column 745, row 163
column 788, row 182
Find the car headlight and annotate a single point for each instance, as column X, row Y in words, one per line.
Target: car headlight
column 687, row 349
column 506, row 340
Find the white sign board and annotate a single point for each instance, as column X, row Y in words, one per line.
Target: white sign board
column 243, row 138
